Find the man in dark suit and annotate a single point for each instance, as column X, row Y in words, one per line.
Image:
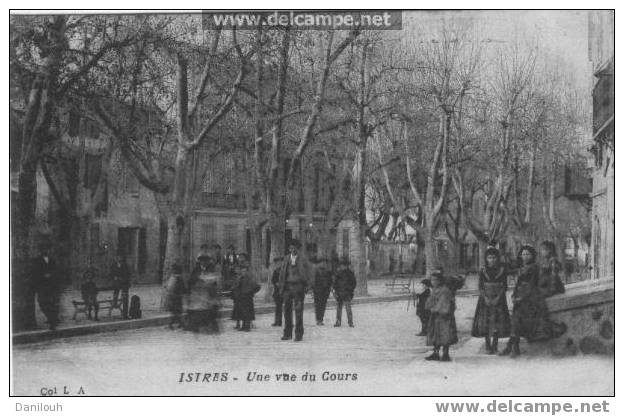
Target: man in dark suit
column 277, row 293
column 120, row 274
column 323, row 280
column 294, row 281
column 47, row 285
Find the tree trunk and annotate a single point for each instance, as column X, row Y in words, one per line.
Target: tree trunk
column 359, row 257
column 430, row 252
column 177, row 225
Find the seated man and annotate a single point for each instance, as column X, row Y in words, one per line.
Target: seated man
column 89, row 294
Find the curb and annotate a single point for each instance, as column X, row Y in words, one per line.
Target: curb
column 161, row 320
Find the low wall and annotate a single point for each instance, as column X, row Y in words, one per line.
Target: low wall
column 588, row 310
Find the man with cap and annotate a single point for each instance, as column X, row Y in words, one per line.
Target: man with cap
column 294, row 281
column 47, row 285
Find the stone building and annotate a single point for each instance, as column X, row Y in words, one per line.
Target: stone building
column 125, row 220
column 601, row 56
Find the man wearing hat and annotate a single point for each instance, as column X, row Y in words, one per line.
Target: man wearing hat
column 294, row 281
column 46, row 282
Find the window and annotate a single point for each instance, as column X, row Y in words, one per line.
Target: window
column 230, row 236
column 131, row 183
column 208, row 231
column 345, row 243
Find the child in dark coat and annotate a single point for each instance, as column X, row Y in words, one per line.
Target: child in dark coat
column 176, row 290
column 89, row 293
column 246, row 289
column 442, row 329
column 423, row 313
column 344, row 286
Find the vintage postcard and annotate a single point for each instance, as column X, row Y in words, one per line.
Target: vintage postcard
column 313, row 203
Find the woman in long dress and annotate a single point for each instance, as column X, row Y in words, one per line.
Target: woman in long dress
column 203, row 302
column 530, row 313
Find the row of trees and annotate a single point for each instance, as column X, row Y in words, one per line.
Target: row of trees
column 407, row 134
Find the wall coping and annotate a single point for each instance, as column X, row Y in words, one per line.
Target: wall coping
column 583, row 294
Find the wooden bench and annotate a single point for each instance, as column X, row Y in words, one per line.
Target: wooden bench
column 80, row 306
column 402, row 284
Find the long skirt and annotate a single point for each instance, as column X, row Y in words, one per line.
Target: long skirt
column 530, row 320
column 203, row 320
column 490, row 320
column 246, row 310
column 442, row 330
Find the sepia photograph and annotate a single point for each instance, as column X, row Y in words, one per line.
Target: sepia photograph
column 312, row 203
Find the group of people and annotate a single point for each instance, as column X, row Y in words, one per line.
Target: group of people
column 213, row 277
column 216, row 276
column 292, row 277
column 47, row 283
column 537, row 278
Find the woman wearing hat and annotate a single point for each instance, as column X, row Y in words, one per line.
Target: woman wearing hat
column 491, row 319
column 203, row 302
column 529, row 318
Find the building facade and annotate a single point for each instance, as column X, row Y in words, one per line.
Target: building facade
column 601, row 56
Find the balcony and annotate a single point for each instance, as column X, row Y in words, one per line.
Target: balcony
column 221, row 200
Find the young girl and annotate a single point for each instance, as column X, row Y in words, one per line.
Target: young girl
column 442, row 330
column 491, row 318
column 549, row 282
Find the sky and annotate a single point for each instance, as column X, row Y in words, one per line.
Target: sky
column 561, row 33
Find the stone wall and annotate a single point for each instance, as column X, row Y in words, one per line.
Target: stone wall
column 588, row 310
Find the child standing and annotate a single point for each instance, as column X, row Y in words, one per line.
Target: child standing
column 89, row 293
column 246, row 290
column 344, row 286
column 491, row 318
column 442, row 329
column 175, row 293
column 421, row 311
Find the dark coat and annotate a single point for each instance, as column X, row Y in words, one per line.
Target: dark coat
column 323, row 280
column 275, row 281
column 246, row 289
column 120, row 274
column 442, row 329
column 421, row 301
column 89, row 292
column 45, row 276
column 344, row 285
column 492, row 313
column 549, row 282
column 530, row 313
column 301, row 269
